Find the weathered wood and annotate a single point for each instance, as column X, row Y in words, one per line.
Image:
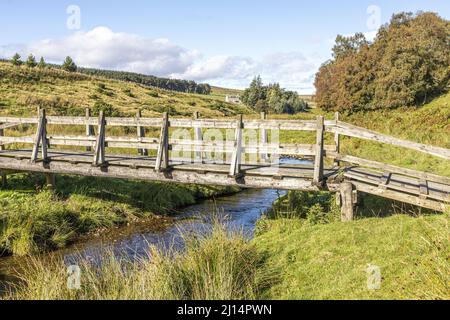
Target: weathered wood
column 237, row 153
column 385, row 179
column 390, row 168
column 347, row 205
column 423, row 188
column 8, row 126
column 198, row 137
column 89, row 129
column 178, row 176
column 400, row 186
column 50, row 181
column 162, row 158
column 2, row 147
column 264, row 139
column 294, row 125
column 400, row 196
column 357, row 132
column 319, row 154
column 140, row 133
column 337, row 139
column 40, row 137
column 100, row 153
column 3, row 178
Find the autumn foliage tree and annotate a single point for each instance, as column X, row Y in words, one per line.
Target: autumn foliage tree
column 407, row 63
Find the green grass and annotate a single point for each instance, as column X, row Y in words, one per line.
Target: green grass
column 33, row 220
column 61, row 93
column 214, row 267
column 329, row 261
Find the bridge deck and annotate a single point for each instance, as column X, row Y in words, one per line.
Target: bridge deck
column 285, row 176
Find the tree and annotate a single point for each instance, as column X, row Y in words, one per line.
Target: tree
column 405, row 65
column 69, row 65
column 42, row 64
column 272, row 98
column 31, row 61
column 16, row 60
column 254, row 93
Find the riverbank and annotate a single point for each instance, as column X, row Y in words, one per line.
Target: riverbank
column 288, row 259
column 34, row 220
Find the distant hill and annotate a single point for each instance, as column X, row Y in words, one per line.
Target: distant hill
column 23, row 89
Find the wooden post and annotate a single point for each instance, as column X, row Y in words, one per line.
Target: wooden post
column 50, row 181
column 235, row 168
column 264, row 138
column 40, row 137
column 141, row 134
column 198, row 136
column 2, row 133
column 346, row 201
column 89, row 129
column 318, row 163
column 3, row 178
column 337, row 139
column 99, row 154
column 162, row 159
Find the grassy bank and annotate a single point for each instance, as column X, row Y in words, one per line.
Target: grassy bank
column 33, row 219
column 218, row 266
column 330, row 261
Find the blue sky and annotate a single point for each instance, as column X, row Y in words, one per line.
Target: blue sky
column 220, row 42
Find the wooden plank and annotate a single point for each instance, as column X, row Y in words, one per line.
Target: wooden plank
column 8, row 126
column 385, row 179
column 423, row 188
column 390, row 168
column 162, row 158
column 177, row 176
column 295, row 125
column 399, row 196
column 318, row 162
column 400, row 186
column 236, row 157
column 357, row 132
column 99, row 153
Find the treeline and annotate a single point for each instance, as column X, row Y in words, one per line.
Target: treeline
column 69, row 65
column 146, row 80
column 406, row 65
column 272, row 98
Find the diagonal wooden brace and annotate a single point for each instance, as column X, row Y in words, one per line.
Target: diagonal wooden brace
column 40, row 138
column 162, row 158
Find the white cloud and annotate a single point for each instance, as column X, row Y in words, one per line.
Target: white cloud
column 103, row 48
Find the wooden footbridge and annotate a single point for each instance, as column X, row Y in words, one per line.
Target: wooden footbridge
column 156, row 161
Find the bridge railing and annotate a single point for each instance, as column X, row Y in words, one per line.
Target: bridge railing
column 236, row 148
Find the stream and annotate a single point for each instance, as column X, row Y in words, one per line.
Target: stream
column 239, row 212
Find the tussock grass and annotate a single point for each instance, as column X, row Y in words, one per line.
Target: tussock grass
column 218, row 265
